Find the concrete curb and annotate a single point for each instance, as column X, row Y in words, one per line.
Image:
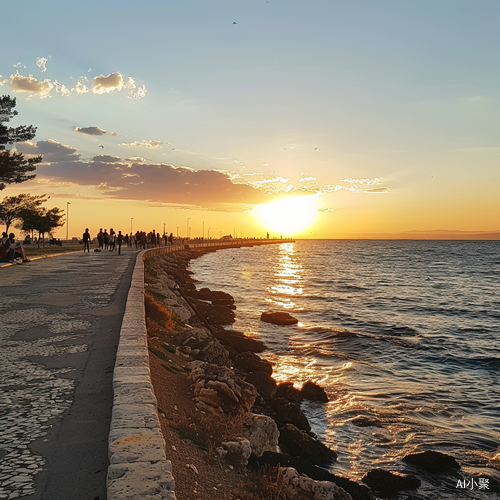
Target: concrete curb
column 138, row 464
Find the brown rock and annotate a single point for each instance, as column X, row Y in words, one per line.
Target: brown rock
column 285, row 412
column 314, row 392
column 300, row 444
column 432, row 461
column 287, row 391
column 250, row 362
column 264, row 383
column 389, row 482
column 238, row 341
column 278, row 318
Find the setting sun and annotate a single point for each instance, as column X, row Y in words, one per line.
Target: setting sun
column 288, row 216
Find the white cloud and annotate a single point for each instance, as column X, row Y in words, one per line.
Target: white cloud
column 138, row 93
column 105, row 84
column 136, row 159
column 365, row 182
column 62, row 89
column 19, row 65
column 30, row 84
column 80, row 87
column 41, row 62
column 3, row 80
column 271, row 180
column 146, row 144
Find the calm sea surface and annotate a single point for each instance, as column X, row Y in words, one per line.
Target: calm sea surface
column 405, row 333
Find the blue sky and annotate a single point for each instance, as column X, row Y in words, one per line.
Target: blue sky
column 387, row 112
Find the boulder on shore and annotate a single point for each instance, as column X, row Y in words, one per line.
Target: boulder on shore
column 250, row 362
column 262, row 433
column 278, row 318
column 299, row 443
column 432, row 461
column 314, row 392
column 284, row 412
column 389, row 482
column 271, row 459
column 286, row 390
column 298, row 487
column 264, row 383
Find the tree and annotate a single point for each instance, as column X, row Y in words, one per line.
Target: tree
column 14, row 167
column 40, row 219
column 12, row 207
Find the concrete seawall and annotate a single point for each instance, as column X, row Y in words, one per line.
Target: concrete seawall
column 139, row 467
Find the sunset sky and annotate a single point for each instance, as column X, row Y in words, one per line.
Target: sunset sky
column 381, row 116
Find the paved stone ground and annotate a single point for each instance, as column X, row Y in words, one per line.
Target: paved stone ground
column 60, row 320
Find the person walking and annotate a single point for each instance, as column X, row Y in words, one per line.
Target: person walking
column 112, row 240
column 86, row 240
column 100, row 239
column 105, row 237
column 119, row 241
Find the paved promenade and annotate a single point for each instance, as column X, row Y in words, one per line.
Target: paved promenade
column 60, row 320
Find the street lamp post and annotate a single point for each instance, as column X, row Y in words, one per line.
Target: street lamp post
column 67, row 220
column 131, row 219
column 203, row 230
column 187, row 226
column 208, row 235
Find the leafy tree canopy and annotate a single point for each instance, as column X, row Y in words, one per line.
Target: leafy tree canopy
column 14, row 167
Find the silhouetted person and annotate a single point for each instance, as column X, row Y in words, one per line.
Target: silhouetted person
column 119, row 241
column 86, row 240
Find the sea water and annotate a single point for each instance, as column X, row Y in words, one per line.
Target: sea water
column 402, row 333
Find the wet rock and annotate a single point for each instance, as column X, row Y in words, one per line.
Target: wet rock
column 300, row 444
column 262, row 433
column 238, row 341
column 432, row 461
column 278, row 318
column 300, row 487
column 314, row 392
column 389, row 482
column 285, row 412
column 287, row 391
column 250, row 362
column 271, row 460
column 366, row 422
column 264, row 383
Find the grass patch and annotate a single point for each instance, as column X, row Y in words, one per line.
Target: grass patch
column 265, row 484
column 208, row 431
column 158, row 354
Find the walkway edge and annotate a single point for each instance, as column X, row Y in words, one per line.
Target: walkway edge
column 138, row 465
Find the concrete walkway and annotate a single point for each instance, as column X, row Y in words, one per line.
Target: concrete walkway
column 60, row 321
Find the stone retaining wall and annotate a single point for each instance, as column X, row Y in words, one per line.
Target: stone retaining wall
column 138, row 464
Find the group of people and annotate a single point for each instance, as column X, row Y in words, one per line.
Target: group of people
column 106, row 241
column 12, row 250
column 152, row 239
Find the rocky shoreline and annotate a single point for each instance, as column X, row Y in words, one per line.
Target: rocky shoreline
column 228, row 377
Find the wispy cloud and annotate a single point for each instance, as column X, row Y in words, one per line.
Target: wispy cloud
column 41, row 63
column 93, row 131
column 146, row 144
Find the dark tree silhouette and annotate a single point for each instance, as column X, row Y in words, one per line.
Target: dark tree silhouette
column 13, row 207
column 14, row 167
